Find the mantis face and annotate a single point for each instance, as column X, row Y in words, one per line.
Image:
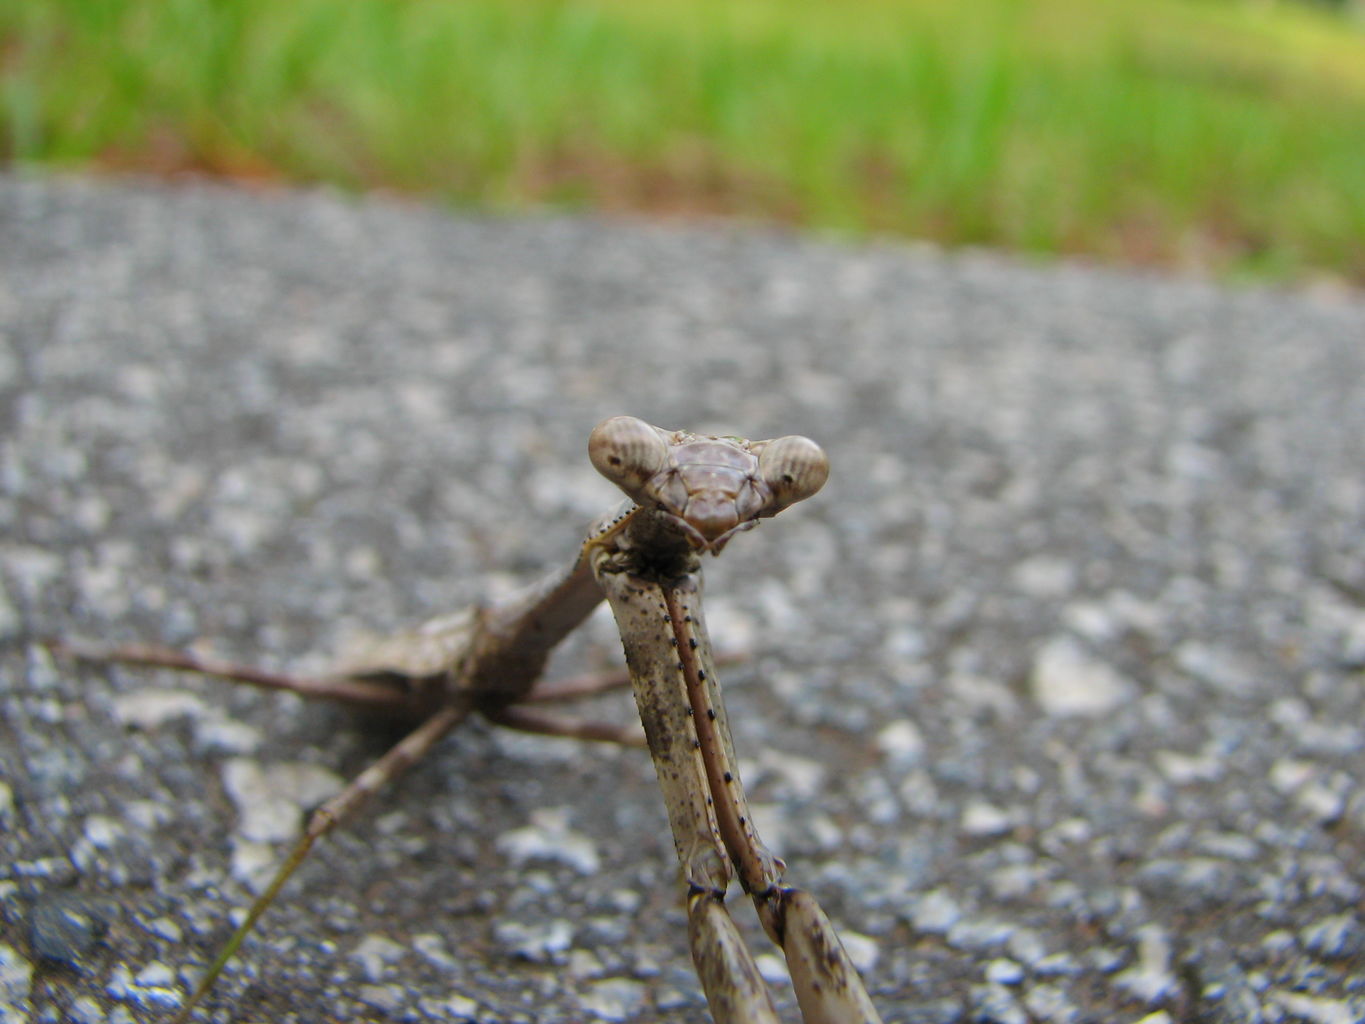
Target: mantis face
column 712, row 487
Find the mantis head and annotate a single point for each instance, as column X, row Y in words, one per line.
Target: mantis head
column 712, row 487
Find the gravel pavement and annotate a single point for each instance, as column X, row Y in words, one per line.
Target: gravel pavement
column 1055, row 693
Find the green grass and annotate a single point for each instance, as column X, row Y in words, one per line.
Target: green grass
column 1220, row 135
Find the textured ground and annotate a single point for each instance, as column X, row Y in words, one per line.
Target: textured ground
column 1055, row 698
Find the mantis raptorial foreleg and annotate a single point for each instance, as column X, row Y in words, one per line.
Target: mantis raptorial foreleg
column 655, row 593
column 689, row 495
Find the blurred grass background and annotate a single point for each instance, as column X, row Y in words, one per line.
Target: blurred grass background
column 1218, row 135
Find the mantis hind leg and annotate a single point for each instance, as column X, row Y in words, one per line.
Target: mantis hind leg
column 405, row 753
column 356, row 692
column 544, row 723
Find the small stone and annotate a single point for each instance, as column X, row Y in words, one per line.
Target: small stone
column 1223, row 669
column 1014, row 881
column 861, row 949
column 157, row 993
column 1287, row 775
column 86, row 1010
column 1314, row 1010
column 584, row 964
column 253, row 864
column 271, row 799
column 901, row 743
column 1232, row 845
column 98, row 835
column 1104, row 959
column 1338, row 937
column 919, row 794
column 982, row 819
column 388, row 999
column 613, row 999
column 610, row 930
column 376, row 954
column 11, row 623
column 1333, row 739
column 1279, row 941
column 1050, row 1003
column 146, row 815
column 218, row 735
column 149, row 709
column 1150, row 979
column 549, row 838
column 1004, row 972
column 1045, row 577
column 775, row 824
column 1058, row 964
column 997, row 1005
column 1027, row 946
column 935, row 912
column 979, row 934
column 1090, row 620
column 671, row 997
column 64, row 926
column 33, row 569
column 773, row 968
column 1324, row 804
column 1068, row 681
column 166, row 928
column 54, row 868
column 543, row 942
column 452, row 1008
column 1068, row 832
column 16, row 980
column 1228, row 994
column 1182, row 769
column 1290, row 713
column 1207, row 880
column 1353, row 645
column 801, row 777
column 433, row 948
column 982, row 693
column 155, row 973
column 101, row 831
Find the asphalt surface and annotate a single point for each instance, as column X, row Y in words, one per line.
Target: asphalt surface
column 1054, row 695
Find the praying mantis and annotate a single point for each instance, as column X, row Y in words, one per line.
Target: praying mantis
column 687, row 495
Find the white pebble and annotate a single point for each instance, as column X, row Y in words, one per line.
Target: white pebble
column 549, row 837
column 1004, row 972
column 1068, row 681
column 901, row 743
column 376, row 954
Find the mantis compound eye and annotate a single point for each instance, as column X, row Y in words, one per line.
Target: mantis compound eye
column 794, row 468
column 627, row 451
